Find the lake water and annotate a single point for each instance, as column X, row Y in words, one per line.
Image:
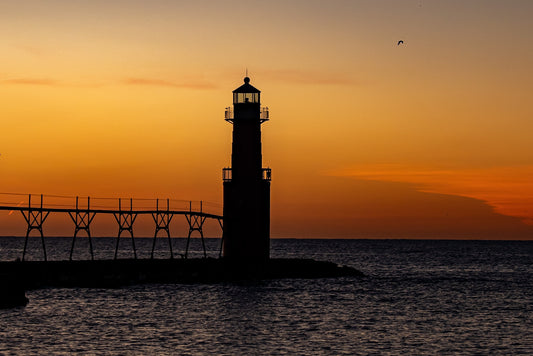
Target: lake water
column 418, row 297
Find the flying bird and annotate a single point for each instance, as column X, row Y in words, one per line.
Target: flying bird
column 400, row 42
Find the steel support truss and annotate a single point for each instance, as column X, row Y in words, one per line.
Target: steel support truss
column 162, row 221
column 82, row 219
column 35, row 220
column 125, row 220
column 196, row 223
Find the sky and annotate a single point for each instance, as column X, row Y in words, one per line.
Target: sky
column 368, row 138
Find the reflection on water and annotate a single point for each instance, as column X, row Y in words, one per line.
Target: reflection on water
column 422, row 297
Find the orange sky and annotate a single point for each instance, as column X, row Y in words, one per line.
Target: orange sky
column 431, row 138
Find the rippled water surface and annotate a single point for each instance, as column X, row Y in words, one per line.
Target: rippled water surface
column 418, row 297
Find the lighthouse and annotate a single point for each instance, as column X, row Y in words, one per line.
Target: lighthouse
column 246, row 230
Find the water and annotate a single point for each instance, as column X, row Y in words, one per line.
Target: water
column 419, row 297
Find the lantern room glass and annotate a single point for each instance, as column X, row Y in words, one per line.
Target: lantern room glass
column 239, row 98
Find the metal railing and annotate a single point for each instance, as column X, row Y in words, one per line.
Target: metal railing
column 226, row 174
column 228, row 114
column 264, row 114
column 266, row 174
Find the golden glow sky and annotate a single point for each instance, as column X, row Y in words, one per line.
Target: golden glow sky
column 432, row 138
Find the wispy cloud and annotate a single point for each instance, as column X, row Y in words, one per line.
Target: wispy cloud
column 167, row 83
column 509, row 190
column 200, row 85
column 32, row 50
column 309, row 77
column 31, row 81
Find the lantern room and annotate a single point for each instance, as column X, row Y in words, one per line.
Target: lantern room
column 246, row 93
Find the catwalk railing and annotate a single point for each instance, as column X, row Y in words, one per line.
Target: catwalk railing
column 83, row 210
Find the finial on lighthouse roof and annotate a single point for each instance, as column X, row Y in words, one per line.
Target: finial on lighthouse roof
column 246, row 80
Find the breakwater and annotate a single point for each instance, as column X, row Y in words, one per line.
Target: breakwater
column 121, row 272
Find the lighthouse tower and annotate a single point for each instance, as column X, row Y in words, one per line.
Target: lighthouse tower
column 246, row 183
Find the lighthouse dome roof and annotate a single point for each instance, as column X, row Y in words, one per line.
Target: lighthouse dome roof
column 246, row 87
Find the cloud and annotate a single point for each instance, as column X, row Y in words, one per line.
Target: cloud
column 508, row 190
column 309, row 77
column 31, row 81
column 128, row 81
column 32, row 50
column 166, row 83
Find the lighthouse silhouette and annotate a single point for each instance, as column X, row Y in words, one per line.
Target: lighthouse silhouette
column 246, row 230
